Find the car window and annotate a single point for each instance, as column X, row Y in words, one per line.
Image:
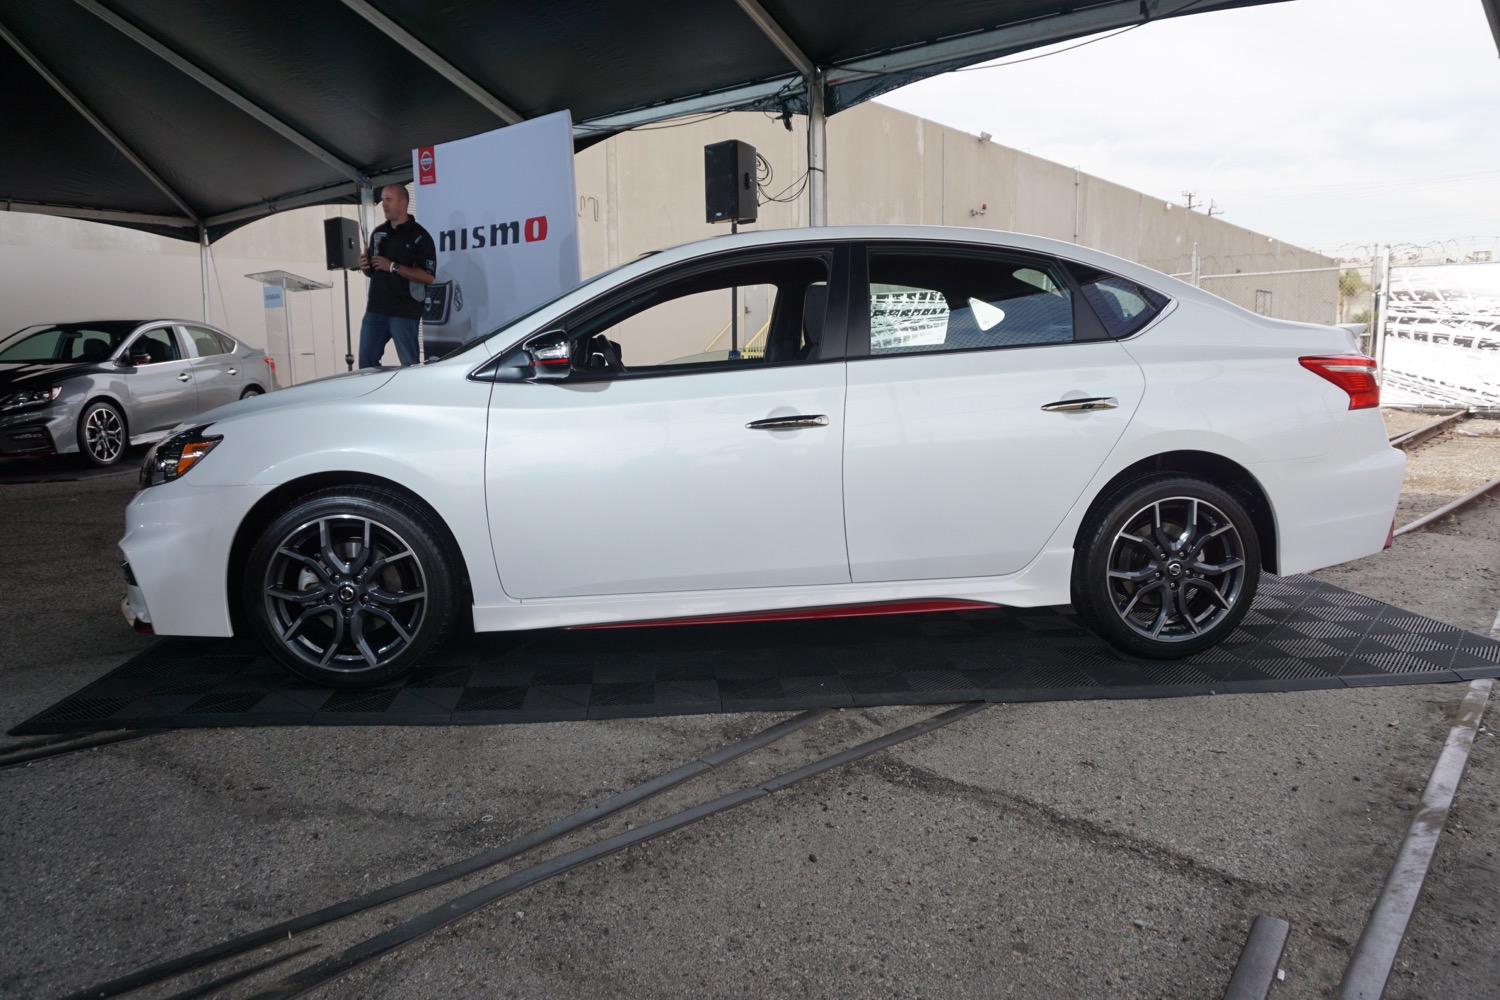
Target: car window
column 205, row 342
column 1122, row 305
column 930, row 301
column 72, row 342
column 154, row 346
column 745, row 315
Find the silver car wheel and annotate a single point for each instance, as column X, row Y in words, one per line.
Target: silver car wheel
column 1176, row 569
column 103, row 437
column 344, row 593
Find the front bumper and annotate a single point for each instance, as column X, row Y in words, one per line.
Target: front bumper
column 177, row 543
column 133, row 607
column 40, row 430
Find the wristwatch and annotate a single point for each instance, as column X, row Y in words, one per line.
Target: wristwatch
column 394, row 265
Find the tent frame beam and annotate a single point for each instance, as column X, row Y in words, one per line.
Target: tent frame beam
column 817, row 118
column 435, row 62
column 222, row 89
column 98, row 123
column 996, row 43
column 100, row 215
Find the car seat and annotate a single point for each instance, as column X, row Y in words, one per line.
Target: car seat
column 94, row 350
column 814, row 317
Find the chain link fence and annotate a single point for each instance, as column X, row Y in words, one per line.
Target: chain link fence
column 1301, row 286
column 1434, row 327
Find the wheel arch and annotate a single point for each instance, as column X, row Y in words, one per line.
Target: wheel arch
column 268, row 507
column 103, row 397
column 1220, row 471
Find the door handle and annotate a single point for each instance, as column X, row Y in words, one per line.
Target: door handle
column 234, row 371
column 184, row 377
column 787, row 423
column 1091, row 403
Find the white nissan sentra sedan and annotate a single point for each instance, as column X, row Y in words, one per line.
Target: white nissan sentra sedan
column 886, row 419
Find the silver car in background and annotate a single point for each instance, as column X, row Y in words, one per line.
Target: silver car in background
column 96, row 388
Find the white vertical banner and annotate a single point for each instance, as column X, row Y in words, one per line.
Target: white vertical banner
column 502, row 211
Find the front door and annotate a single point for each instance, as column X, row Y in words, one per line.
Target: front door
column 686, row 451
column 163, row 392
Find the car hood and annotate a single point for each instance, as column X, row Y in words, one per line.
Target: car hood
column 345, row 385
column 18, row 375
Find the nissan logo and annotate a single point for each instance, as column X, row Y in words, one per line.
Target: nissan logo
column 426, row 160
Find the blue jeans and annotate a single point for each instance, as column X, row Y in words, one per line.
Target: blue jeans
column 376, row 330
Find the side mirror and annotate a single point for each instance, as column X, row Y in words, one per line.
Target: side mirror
column 550, row 354
column 138, row 358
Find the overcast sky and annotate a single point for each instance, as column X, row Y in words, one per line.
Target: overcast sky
column 1330, row 124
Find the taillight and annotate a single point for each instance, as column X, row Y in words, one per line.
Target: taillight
column 1354, row 373
column 270, row 363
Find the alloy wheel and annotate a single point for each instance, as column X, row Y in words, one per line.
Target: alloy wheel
column 1176, row 569
column 104, row 435
column 344, row 593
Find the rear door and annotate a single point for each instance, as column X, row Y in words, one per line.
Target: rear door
column 969, row 432
column 217, row 373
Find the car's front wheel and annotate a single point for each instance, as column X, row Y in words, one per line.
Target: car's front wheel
column 351, row 586
column 101, row 434
column 1166, row 567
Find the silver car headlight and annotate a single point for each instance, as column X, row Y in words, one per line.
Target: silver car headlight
column 29, row 397
column 171, row 459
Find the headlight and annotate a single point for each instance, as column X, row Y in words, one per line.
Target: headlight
column 30, row 397
column 171, row 459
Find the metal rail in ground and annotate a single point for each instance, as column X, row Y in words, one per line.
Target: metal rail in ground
column 1415, row 437
column 1449, row 508
column 337, row 966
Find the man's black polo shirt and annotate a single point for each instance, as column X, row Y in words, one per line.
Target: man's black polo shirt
column 410, row 246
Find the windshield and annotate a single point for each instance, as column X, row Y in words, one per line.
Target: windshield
column 68, row 342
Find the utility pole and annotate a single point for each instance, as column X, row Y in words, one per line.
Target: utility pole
column 1190, row 195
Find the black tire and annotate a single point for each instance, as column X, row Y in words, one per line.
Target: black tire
column 252, row 390
column 1166, row 567
column 102, row 438
column 351, row 587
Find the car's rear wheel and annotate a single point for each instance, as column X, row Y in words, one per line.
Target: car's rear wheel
column 101, row 434
column 252, row 390
column 351, row 586
column 1167, row 567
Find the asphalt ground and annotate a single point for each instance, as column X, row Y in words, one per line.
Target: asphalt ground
column 1115, row 849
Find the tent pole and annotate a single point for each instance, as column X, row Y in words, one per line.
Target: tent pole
column 203, row 262
column 817, row 152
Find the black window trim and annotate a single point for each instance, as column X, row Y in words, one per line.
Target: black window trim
column 835, row 253
column 1167, row 305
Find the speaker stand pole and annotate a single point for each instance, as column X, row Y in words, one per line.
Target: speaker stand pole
column 734, row 306
column 817, row 151
column 348, row 326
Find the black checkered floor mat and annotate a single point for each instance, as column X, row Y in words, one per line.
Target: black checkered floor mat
column 1300, row 634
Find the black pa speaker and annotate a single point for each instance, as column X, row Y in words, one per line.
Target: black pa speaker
column 341, row 243
column 729, row 181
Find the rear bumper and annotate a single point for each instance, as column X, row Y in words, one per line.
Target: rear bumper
column 1332, row 509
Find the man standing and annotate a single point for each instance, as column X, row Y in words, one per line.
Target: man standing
column 400, row 262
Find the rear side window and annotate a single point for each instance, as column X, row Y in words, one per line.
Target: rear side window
column 935, row 301
column 207, row 342
column 1122, row 306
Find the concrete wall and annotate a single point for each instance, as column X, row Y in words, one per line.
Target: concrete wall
column 641, row 191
